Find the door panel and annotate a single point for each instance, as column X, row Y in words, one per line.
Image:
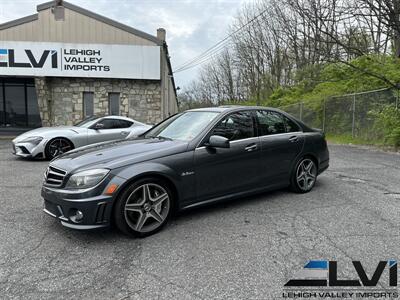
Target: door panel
column 281, row 142
column 2, row 107
column 102, row 135
column 277, row 154
column 18, row 103
column 225, row 171
column 15, row 105
column 111, row 131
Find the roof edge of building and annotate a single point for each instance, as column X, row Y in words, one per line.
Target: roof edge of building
column 19, row 21
column 101, row 18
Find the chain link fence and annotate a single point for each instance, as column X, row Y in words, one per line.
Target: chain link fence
column 352, row 115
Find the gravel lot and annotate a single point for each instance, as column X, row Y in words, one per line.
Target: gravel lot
column 245, row 249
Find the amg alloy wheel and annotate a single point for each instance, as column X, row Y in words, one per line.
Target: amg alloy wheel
column 305, row 176
column 57, row 147
column 143, row 208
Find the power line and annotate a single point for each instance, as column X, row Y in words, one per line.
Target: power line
column 206, row 55
column 203, row 59
column 210, row 51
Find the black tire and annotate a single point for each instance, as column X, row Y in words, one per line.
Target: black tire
column 127, row 220
column 309, row 177
column 49, row 152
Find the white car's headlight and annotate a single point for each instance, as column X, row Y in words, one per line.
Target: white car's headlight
column 35, row 140
column 86, row 179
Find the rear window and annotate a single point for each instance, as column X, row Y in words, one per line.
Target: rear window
column 271, row 122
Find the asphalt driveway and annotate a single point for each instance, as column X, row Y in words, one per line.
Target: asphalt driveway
column 246, row 249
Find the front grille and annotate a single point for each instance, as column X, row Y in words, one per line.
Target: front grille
column 54, row 176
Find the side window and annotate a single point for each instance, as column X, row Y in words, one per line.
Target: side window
column 123, row 123
column 108, row 123
column 235, row 126
column 270, row 123
column 290, row 125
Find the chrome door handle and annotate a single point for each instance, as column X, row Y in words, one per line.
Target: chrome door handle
column 124, row 132
column 250, row 147
column 293, row 139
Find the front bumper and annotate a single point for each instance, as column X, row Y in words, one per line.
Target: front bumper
column 96, row 211
column 29, row 150
column 95, row 206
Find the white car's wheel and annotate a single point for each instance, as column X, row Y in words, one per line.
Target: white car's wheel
column 57, row 146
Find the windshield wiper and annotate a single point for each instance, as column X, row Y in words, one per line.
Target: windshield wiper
column 160, row 137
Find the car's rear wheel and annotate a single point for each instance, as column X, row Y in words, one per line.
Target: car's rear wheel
column 144, row 207
column 57, row 146
column 304, row 175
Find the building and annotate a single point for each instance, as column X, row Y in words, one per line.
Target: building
column 65, row 63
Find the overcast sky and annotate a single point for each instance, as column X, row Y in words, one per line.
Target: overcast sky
column 192, row 25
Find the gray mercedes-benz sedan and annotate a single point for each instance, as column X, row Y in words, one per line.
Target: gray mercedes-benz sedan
column 196, row 157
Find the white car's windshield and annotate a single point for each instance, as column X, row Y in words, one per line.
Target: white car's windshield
column 184, row 127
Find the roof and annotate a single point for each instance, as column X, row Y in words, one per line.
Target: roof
column 225, row 108
column 19, row 21
column 210, row 109
column 85, row 12
column 121, row 118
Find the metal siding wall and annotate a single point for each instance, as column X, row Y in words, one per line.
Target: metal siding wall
column 76, row 28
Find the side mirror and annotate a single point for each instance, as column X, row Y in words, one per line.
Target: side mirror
column 217, row 141
column 99, row 126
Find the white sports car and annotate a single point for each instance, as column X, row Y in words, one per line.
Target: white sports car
column 49, row 142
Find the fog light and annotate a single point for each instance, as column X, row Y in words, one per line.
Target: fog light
column 76, row 216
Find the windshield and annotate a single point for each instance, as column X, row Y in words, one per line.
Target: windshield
column 184, row 127
column 87, row 122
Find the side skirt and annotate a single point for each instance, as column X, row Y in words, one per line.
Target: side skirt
column 233, row 196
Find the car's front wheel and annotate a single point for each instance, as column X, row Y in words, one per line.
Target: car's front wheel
column 144, row 207
column 57, row 146
column 304, row 175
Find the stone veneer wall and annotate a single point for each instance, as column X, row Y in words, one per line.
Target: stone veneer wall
column 61, row 99
column 44, row 100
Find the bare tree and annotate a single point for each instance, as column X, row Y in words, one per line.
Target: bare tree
column 276, row 43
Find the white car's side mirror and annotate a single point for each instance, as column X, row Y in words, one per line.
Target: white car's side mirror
column 99, row 126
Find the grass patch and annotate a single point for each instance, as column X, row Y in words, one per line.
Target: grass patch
column 348, row 139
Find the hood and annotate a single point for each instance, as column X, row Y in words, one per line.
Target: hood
column 48, row 132
column 116, row 154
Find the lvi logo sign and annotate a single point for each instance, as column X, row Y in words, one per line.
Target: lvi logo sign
column 320, row 273
column 7, row 59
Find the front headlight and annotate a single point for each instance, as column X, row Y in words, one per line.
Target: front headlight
column 86, row 179
column 35, row 140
